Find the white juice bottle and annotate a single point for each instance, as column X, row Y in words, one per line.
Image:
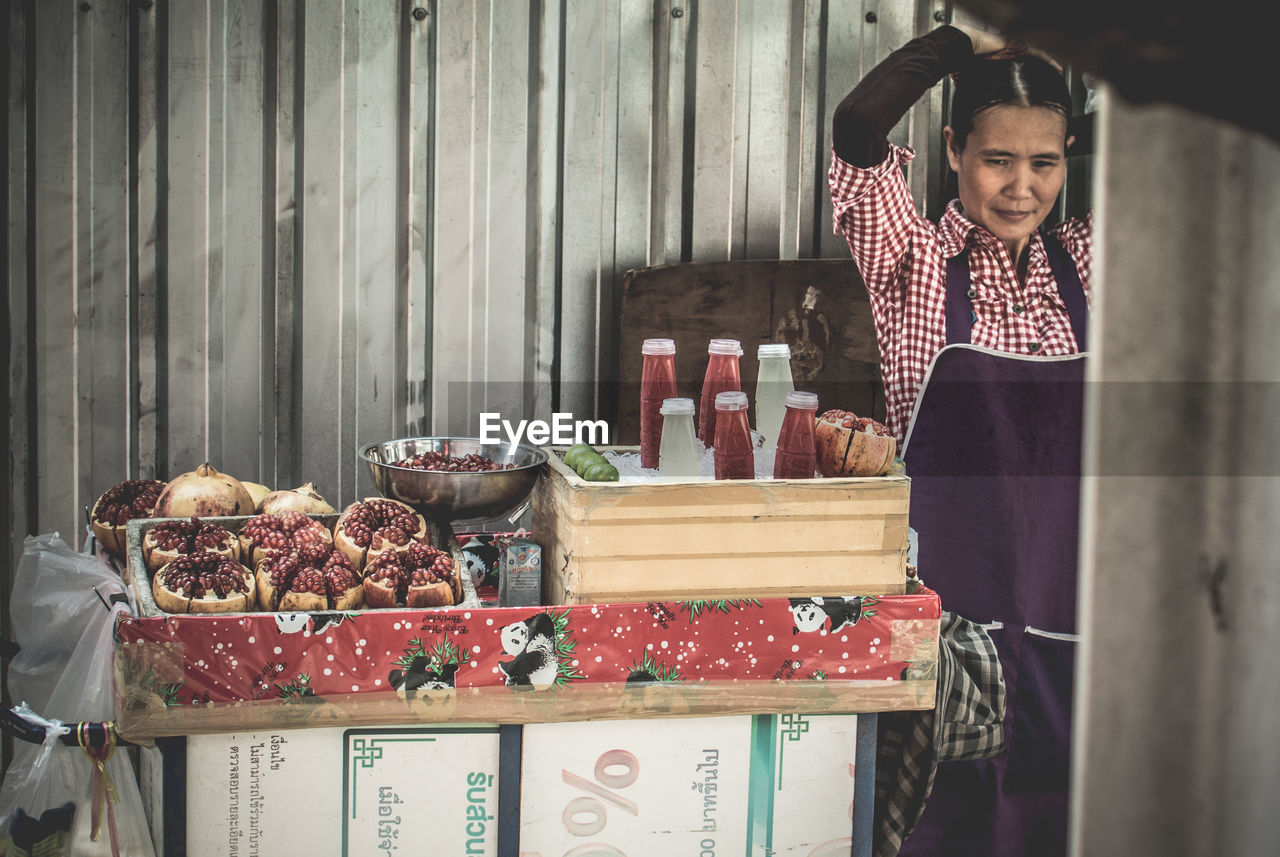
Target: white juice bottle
column 773, row 382
column 678, row 452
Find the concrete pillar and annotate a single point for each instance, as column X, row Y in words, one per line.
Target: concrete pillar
column 1177, row 748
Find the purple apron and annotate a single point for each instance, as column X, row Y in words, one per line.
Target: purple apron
column 994, row 454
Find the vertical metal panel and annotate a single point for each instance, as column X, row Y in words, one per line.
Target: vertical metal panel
column 458, row 109
column 149, row 214
column 505, row 343
column 57, row 245
column 238, row 124
column 715, row 139
column 103, row 300
column 770, row 117
column 416, row 129
column 546, row 140
column 378, row 387
column 340, row 210
column 184, row 321
column 587, row 26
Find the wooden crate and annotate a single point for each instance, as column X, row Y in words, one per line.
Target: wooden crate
column 611, row 541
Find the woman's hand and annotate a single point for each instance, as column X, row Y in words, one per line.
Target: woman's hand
column 984, row 42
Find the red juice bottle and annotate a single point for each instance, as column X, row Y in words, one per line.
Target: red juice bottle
column 734, row 455
column 722, row 375
column 657, row 382
column 796, row 457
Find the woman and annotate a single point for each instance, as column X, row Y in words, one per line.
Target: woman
column 980, row 319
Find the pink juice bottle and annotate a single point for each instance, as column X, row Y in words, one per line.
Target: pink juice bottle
column 722, row 375
column 796, row 457
column 657, row 382
column 734, row 456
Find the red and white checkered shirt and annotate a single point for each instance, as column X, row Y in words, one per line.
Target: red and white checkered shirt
column 902, row 258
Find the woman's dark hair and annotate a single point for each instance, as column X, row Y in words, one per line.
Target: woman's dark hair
column 1025, row 80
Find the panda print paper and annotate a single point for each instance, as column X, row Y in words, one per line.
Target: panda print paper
column 482, row 562
column 307, row 623
column 408, row 682
column 827, row 615
column 532, row 646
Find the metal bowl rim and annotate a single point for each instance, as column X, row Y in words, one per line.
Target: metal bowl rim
column 540, row 455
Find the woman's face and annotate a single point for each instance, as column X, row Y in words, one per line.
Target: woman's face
column 1011, row 170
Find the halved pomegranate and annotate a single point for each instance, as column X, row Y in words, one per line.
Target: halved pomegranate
column 310, row 576
column 263, row 534
column 368, row 528
column 168, row 540
column 118, row 505
column 421, row 576
column 204, row 582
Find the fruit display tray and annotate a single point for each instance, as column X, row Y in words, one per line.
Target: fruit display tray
column 139, row 577
column 209, row 673
column 615, row 541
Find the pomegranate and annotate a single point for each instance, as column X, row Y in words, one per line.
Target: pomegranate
column 266, row 533
column 119, row 504
column 205, row 493
column 304, row 498
column 204, row 582
column 421, row 576
column 168, row 540
column 849, row 445
column 376, row 525
column 312, row 576
column 256, row 491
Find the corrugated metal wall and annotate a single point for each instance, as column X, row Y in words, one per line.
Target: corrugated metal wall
column 262, row 234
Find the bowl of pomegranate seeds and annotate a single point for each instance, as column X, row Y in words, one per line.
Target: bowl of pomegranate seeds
column 454, row 478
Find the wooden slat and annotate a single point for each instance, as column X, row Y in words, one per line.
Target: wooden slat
column 716, row 141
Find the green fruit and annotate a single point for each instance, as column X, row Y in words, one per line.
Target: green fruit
column 600, row 471
column 574, row 457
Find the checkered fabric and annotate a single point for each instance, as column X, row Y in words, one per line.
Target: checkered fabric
column 902, row 258
column 967, row 723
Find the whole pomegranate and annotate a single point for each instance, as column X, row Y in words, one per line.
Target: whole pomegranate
column 204, row 493
column 304, row 498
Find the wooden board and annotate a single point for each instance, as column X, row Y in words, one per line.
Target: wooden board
column 718, row 539
column 817, row 306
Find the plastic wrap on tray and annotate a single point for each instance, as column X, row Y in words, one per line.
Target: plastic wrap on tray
column 188, row 674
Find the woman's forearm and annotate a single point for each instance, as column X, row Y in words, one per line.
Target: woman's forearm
column 861, row 125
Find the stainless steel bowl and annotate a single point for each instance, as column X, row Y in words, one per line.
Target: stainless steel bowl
column 455, row 496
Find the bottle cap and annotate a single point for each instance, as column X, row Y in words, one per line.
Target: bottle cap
column 802, row 400
column 773, row 349
column 676, row 407
column 731, row 400
column 732, row 347
column 658, row 346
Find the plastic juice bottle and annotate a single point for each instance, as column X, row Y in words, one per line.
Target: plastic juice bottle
column 796, row 457
column 678, row 456
column 723, row 374
column 657, row 383
column 772, row 385
column 734, row 456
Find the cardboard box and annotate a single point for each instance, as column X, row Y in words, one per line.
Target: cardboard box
column 608, row 541
column 763, row 785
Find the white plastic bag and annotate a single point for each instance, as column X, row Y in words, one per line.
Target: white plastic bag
column 108, row 817
column 59, row 595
